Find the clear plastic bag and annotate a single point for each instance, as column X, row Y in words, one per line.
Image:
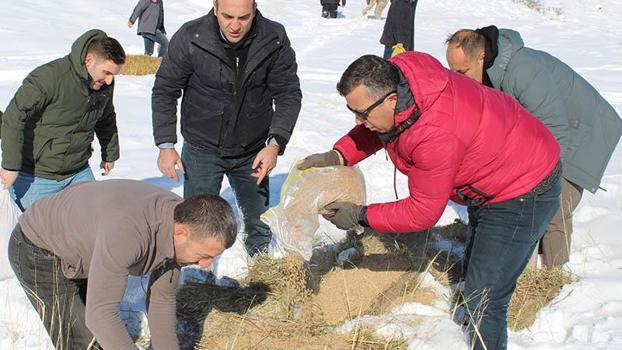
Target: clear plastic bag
column 304, row 195
column 9, row 213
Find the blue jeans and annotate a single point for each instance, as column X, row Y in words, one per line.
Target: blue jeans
column 204, row 174
column 159, row 38
column 502, row 237
column 28, row 188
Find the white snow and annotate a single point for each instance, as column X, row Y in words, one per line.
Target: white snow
column 584, row 34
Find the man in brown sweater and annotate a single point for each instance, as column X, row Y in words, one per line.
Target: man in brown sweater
column 72, row 253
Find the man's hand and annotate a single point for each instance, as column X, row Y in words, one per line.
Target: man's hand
column 346, row 215
column 319, row 160
column 130, row 24
column 167, row 160
column 265, row 162
column 107, row 167
column 8, row 177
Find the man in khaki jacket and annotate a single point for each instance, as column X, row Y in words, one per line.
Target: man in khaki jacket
column 72, row 253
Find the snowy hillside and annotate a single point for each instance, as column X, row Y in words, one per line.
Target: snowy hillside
column 585, row 34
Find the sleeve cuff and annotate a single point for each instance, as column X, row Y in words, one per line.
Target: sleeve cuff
column 166, row 145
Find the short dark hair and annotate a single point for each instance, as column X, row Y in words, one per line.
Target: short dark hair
column 378, row 75
column 207, row 216
column 108, row 49
column 471, row 42
column 254, row 5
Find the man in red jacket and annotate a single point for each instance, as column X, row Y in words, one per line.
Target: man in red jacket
column 458, row 140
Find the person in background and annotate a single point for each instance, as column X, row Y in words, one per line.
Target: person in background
column 49, row 125
column 241, row 100
column 329, row 7
column 380, row 5
column 150, row 16
column 73, row 252
column 398, row 34
column 586, row 126
column 453, row 139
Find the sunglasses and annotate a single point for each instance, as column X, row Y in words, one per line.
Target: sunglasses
column 365, row 113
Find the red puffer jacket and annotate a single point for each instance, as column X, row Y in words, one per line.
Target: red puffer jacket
column 469, row 138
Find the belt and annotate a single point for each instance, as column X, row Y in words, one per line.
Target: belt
column 546, row 184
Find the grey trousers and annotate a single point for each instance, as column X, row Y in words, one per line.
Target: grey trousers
column 554, row 246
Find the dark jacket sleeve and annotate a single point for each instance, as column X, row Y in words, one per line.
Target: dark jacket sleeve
column 106, row 131
column 171, row 79
column 29, row 100
column 284, row 85
column 141, row 6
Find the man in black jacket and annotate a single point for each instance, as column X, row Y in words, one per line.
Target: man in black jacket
column 241, row 99
column 329, row 7
column 399, row 27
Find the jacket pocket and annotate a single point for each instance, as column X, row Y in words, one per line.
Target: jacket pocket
column 73, row 270
column 39, row 150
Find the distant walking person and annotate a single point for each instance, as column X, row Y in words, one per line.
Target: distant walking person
column 150, row 14
column 399, row 29
column 586, row 126
column 380, row 5
column 329, row 7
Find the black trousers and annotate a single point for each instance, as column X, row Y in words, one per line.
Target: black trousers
column 59, row 301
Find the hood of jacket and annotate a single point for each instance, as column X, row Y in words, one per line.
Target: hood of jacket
column 78, row 51
column 509, row 43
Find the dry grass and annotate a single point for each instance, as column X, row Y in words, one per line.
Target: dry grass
column 281, row 306
column 140, row 65
column 275, row 308
column 534, row 290
column 537, row 5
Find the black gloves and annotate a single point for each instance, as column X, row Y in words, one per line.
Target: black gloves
column 319, row 160
column 347, row 215
column 343, row 3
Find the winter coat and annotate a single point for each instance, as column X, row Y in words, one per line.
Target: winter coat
column 151, row 16
column 468, row 138
column 50, row 123
column 585, row 124
column 219, row 113
column 400, row 24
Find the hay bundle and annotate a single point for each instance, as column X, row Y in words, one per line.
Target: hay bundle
column 140, row 65
column 534, row 290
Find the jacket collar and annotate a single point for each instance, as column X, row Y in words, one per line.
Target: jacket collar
column 509, row 43
column 208, row 37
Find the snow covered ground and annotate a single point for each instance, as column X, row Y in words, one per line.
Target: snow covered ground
column 586, row 35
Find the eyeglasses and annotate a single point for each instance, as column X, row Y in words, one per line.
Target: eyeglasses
column 365, row 113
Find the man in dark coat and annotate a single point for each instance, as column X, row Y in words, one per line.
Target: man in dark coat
column 48, row 127
column 241, row 99
column 150, row 15
column 586, row 126
column 400, row 26
column 329, row 7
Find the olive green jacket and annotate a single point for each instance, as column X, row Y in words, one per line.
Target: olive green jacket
column 49, row 125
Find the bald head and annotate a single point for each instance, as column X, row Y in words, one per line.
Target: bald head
column 465, row 53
